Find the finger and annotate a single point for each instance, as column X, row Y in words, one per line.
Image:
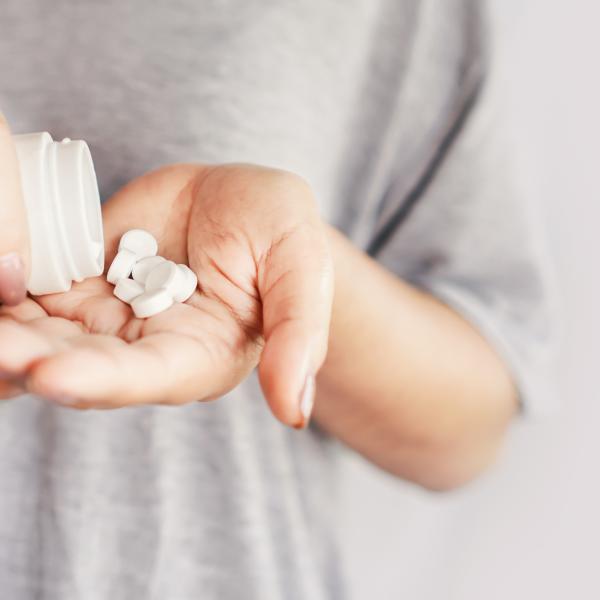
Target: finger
column 103, row 371
column 85, row 370
column 10, row 385
column 90, row 303
column 21, row 346
column 296, row 288
column 26, row 311
column 9, row 390
column 57, row 329
column 24, row 342
column 14, row 240
column 110, row 373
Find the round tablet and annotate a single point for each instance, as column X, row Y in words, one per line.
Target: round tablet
column 139, row 242
column 128, row 289
column 121, row 266
column 151, row 303
column 167, row 275
column 188, row 286
column 142, row 267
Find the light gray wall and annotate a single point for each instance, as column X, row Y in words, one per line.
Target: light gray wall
column 529, row 529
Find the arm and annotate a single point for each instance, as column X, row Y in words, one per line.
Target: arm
column 407, row 382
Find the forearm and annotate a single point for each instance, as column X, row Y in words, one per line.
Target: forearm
column 407, row 382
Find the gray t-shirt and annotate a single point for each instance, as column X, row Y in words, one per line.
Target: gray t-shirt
column 388, row 108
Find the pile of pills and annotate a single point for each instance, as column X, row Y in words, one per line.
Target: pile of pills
column 149, row 283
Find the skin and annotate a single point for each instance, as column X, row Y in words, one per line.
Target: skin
column 406, row 382
column 14, row 239
column 255, row 240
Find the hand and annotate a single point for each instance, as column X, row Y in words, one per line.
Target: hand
column 253, row 237
column 14, row 235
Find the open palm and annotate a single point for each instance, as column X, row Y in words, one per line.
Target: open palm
column 260, row 278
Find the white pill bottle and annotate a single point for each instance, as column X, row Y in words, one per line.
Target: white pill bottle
column 62, row 202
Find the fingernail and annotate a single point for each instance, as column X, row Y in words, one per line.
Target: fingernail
column 307, row 400
column 12, row 279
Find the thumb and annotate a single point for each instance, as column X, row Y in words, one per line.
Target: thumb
column 296, row 288
column 14, row 237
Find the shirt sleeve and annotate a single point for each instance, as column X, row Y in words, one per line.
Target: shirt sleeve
column 471, row 234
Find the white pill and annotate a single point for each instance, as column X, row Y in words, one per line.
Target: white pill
column 151, row 303
column 121, row 266
column 140, row 242
column 142, row 267
column 167, row 275
column 188, row 286
column 128, row 289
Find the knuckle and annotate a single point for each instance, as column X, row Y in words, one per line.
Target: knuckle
column 174, row 401
column 292, row 183
column 281, row 181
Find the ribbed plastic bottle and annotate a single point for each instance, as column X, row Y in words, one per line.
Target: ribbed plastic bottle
column 63, row 211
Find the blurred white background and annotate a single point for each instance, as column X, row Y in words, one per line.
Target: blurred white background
column 530, row 529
